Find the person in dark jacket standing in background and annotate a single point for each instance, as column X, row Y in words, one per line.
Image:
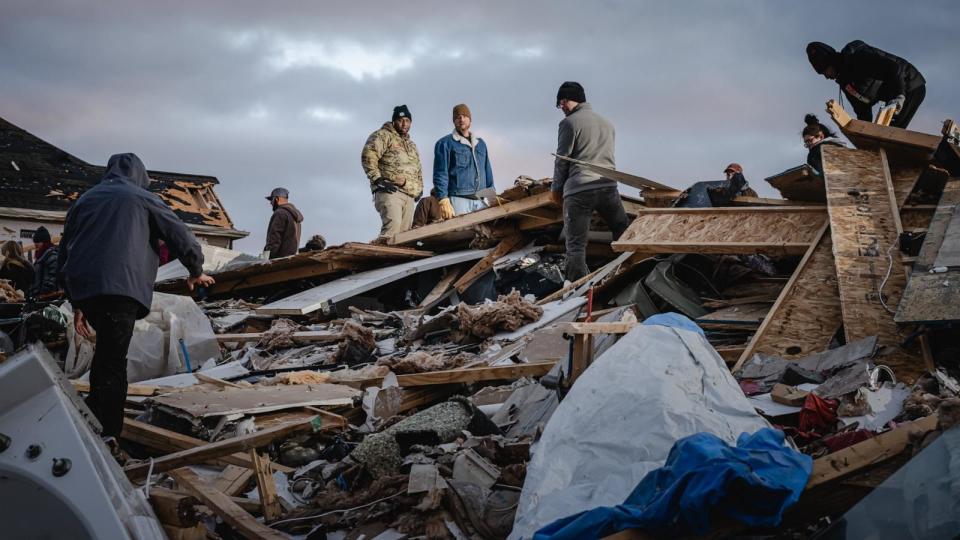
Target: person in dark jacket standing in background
column 108, row 263
column 283, row 232
column 46, row 253
column 868, row 75
column 15, row 267
column 586, row 136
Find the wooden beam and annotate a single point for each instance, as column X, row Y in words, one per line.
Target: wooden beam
column 466, row 375
column 863, row 224
column 904, row 146
column 223, row 506
column 265, row 486
column 173, row 507
column 167, row 441
column 741, row 200
column 451, row 273
column 631, row 180
column 209, row 451
column 214, row 381
column 869, row 452
column 484, row 265
column 143, row 390
column 734, row 230
column 580, row 328
column 472, row 219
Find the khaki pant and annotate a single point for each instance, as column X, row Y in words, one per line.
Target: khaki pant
column 396, row 212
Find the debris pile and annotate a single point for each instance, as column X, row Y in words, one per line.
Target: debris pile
column 447, row 382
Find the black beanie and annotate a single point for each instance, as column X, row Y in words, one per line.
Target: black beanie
column 401, row 111
column 41, row 235
column 821, row 56
column 572, row 91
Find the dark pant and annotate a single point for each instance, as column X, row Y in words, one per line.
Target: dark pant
column 910, row 105
column 112, row 317
column 577, row 211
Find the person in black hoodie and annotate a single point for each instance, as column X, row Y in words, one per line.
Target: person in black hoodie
column 868, row 75
column 108, row 264
column 815, row 135
column 283, row 232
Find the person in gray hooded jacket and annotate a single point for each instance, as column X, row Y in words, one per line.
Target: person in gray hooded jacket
column 107, row 266
column 585, row 136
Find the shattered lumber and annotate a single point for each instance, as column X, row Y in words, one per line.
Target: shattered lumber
column 233, row 480
column 167, row 441
column 639, row 182
column 464, row 375
column 140, row 390
column 224, row 507
column 266, row 487
column 320, row 336
column 864, row 225
column 777, row 230
column 219, row 449
column 474, row 218
column 869, row 452
column 903, row 146
column 486, row 263
column 451, row 273
column 324, row 296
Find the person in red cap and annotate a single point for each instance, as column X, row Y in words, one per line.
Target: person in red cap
column 868, row 75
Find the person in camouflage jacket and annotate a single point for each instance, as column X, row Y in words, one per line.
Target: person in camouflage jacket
column 392, row 164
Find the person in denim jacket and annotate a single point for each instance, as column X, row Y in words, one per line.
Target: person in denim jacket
column 461, row 167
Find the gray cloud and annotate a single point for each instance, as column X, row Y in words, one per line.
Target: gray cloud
column 263, row 95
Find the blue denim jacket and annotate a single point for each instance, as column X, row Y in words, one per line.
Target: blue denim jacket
column 458, row 168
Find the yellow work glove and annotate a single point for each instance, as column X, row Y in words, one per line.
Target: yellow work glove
column 446, row 209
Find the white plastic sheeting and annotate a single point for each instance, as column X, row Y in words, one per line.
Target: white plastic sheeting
column 215, row 259
column 155, row 347
column 654, row 386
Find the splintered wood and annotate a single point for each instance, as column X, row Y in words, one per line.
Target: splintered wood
column 863, row 224
column 783, row 230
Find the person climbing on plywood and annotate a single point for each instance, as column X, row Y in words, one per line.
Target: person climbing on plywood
column 815, row 135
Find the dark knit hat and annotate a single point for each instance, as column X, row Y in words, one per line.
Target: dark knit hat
column 461, row 109
column 821, row 56
column 41, row 235
column 572, row 91
column 401, row 111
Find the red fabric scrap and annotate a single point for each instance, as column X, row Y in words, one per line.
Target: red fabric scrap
column 818, row 414
column 843, row 440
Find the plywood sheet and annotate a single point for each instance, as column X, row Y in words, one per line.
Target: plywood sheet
column 256, row 399
column 800, row 184
column 328, row 293
column 771, row 230
column 863, row 225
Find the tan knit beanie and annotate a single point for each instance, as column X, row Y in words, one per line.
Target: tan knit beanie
column 462, row 109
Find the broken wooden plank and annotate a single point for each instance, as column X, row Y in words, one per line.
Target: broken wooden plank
column 142, row 390
column 472, row 219
column 741, row 200
column 579, row 328
column 639, row 182
column 167, row 441
column 463, row 375
column 799, row 184
column 734, row 230
column 864, row 225
column 324, row 296
column 215, row 381
column 256, row 399
column 869, row 452
column 442, row 287
column 226, row 447
column 222, row 505
column 903, row 146
column 485, row 264
column 266, row 487
column 174, row 508
column 233, row 480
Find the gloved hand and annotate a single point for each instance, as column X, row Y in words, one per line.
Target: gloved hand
column 446, row 209
column 898, row 101
column 384, row 184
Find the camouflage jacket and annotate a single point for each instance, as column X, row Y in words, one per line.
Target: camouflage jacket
column 386, row 154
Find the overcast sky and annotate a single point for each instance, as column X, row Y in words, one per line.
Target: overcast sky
column 266, row 94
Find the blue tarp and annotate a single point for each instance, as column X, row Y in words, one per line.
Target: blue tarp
column 703, row 477
column 673, row 320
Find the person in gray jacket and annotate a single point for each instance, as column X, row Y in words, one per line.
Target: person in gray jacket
column 585, row 136
column 107, row 265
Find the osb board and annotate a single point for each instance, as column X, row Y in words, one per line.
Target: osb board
column 723, row 230
column 807, row 314
column 918, row 218
column 256, row 399
column 799, row 183
column 864, row 229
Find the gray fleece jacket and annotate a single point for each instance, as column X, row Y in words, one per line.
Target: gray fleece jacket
column 585, row 136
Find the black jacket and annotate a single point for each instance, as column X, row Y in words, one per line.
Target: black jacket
column 868, row 75
column 20, row 272
column 45, row 276
column 815, row 154
column 283, row 232
column 109, row 243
